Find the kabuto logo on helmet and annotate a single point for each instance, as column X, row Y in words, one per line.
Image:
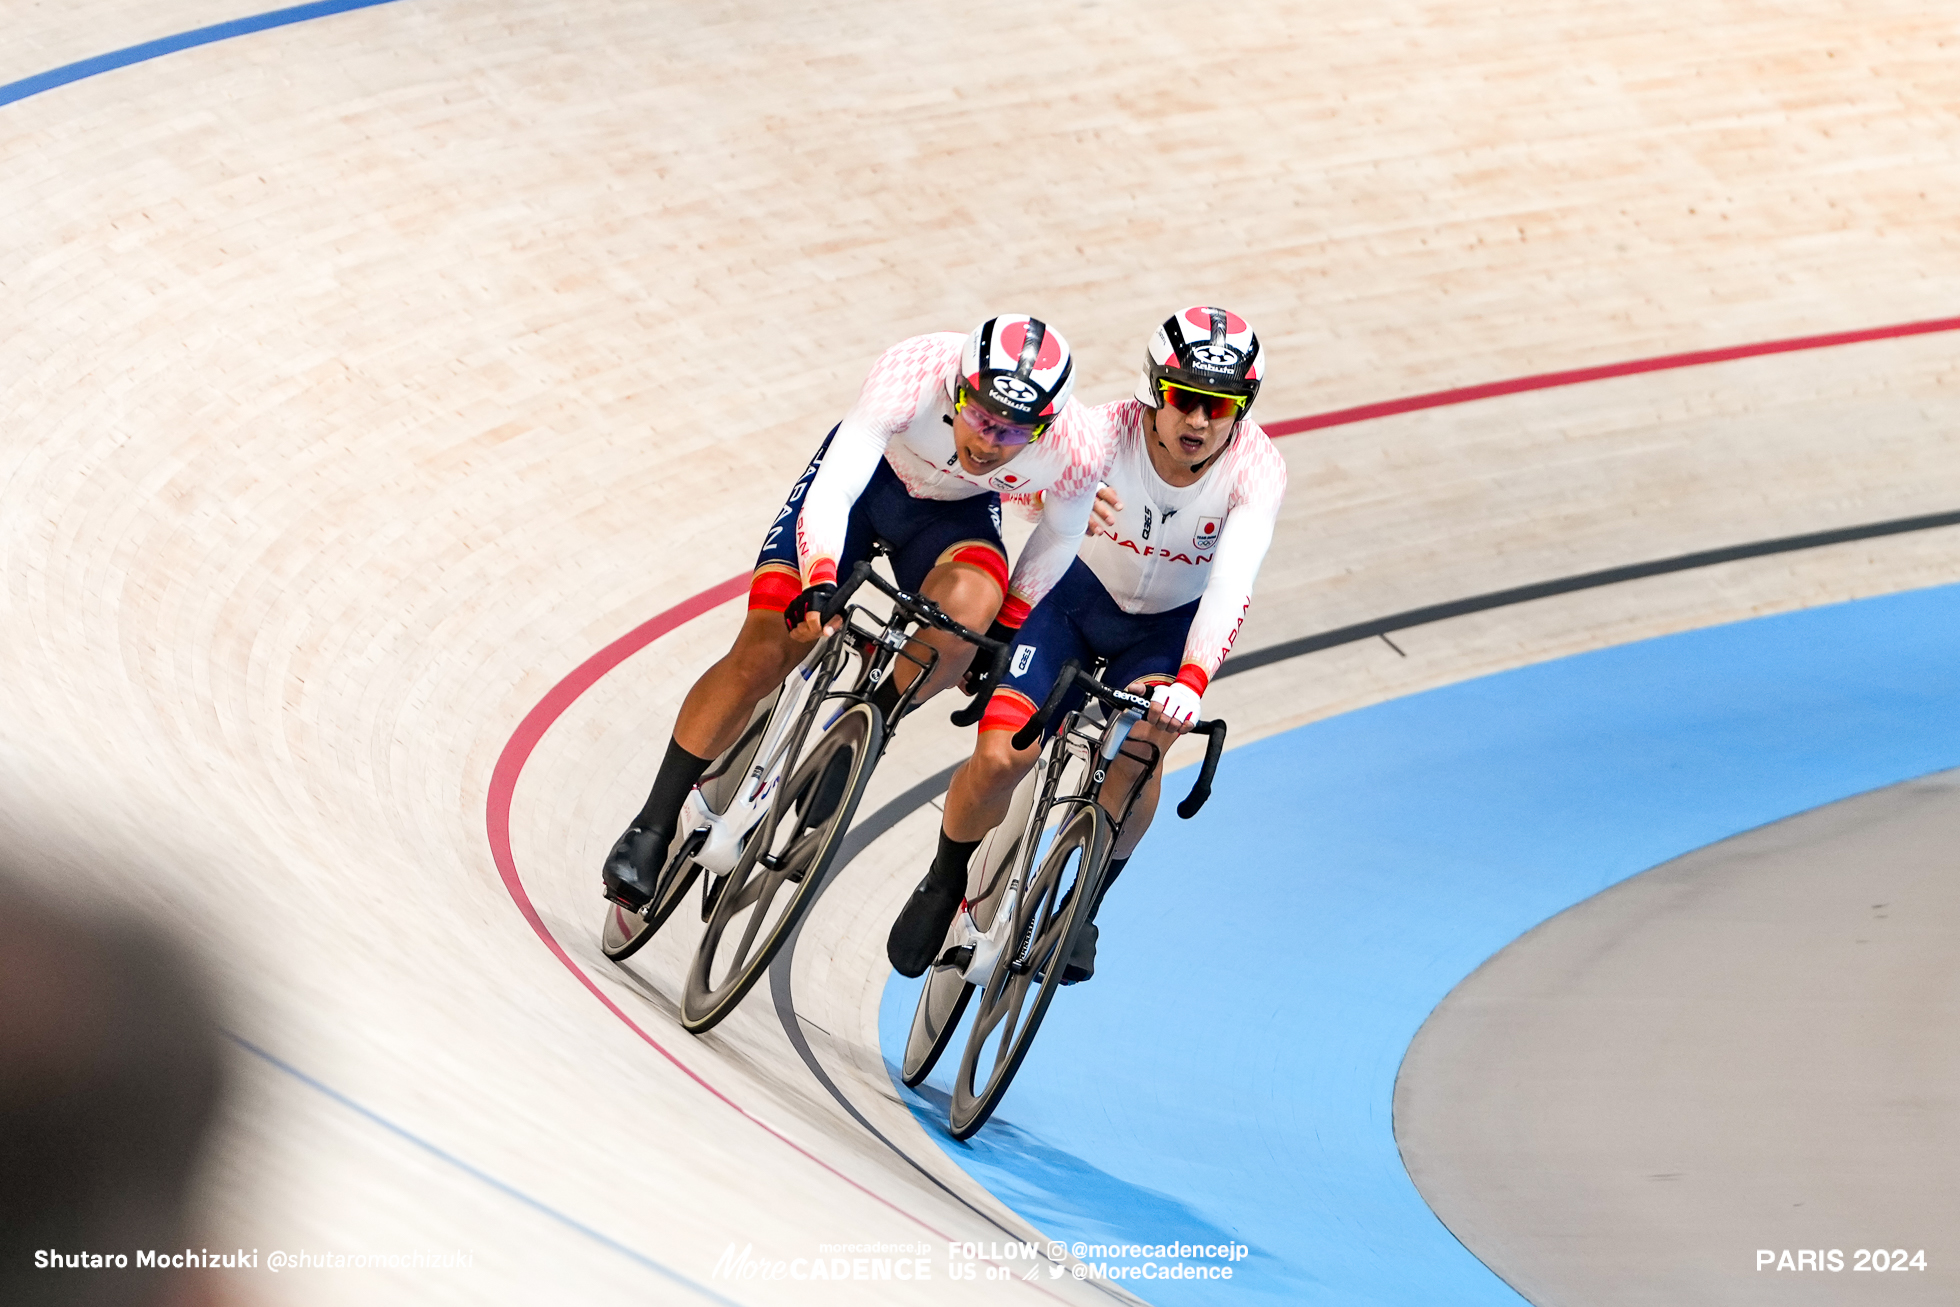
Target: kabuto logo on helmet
column 1215, row 358
column 1018, row 368
column 1210, row 349
column 1013, row 391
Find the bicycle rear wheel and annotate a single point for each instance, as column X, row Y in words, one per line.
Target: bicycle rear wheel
column 1047, row 920
column 626, row 932
column 947, row 992
column 782, row 866
column 941, row 1004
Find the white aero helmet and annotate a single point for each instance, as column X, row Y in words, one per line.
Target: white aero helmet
column 1207, row 349
column 1018, row 368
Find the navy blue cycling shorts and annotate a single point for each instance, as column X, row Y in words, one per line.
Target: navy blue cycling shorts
column 1079, row 620
column 919, row 534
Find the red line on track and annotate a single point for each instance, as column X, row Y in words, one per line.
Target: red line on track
column 517, row 751
column 1605, row 372
column 503, row 788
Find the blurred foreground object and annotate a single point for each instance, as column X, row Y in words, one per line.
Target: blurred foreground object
column 110, row 1074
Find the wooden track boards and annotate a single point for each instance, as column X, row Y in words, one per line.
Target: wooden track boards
column 369, row 374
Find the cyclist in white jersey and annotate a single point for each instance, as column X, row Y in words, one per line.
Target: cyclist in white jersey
column 1161, row 593
column 942, row 427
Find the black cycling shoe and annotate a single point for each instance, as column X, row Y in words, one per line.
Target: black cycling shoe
column 1082, row 959
column 922, row 923
column 632, row 870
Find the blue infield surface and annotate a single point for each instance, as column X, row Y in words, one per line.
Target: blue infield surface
column 1229, row 1074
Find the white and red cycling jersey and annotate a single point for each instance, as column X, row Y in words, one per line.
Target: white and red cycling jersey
column 904, row 414
column 1173, row 544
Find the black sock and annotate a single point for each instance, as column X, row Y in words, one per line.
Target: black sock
column 678, row 772
column 1109, row 878
column 949, row 864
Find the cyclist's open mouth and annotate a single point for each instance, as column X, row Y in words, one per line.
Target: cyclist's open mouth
column 1191, row 444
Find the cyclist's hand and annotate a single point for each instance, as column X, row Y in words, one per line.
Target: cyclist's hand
column 804, row 616
column 1174, row 707
column 1102, row 513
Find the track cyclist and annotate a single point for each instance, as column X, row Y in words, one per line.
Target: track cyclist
column 943, row 425
column 1160, row 593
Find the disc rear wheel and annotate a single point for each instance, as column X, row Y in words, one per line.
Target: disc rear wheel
column 626, row 932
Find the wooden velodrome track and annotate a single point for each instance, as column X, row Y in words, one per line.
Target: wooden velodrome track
column 368, row 375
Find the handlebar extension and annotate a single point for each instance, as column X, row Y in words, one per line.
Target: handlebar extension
column 1032, row 731
column 842, row 596
column 1201, row 789
column 926, row 611
column 1213, row 730
column 970, row 714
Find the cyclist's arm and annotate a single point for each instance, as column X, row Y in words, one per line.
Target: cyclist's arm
column 1049, row 551
column 900, row 381
column 1083, row 441
column 1242, row 543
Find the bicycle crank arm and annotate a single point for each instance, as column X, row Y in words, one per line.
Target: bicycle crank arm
column 982, row 952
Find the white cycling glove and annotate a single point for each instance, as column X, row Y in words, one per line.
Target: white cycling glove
column 1178, row 703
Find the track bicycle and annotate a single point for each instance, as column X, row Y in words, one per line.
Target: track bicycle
column 1038, row 875
column 766, row 819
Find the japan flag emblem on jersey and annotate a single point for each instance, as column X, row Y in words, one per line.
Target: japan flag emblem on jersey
column 1207, row 537
column 1008, row 481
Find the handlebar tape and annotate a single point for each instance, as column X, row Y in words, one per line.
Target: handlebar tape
column 835, row 604
column 1201, row 790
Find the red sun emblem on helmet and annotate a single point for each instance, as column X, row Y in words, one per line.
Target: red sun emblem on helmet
column 1015, row 335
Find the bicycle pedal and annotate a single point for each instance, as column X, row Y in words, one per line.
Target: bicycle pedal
column 959, row 957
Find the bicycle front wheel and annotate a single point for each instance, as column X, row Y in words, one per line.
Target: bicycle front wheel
column 1047, row 920
column 782, row 866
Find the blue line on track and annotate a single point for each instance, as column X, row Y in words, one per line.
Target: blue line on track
column 484, row 1176
column 136, row 54
column 1231, row 1070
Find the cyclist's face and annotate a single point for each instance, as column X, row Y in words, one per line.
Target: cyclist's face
column 979, row 452
column 1187, row 437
